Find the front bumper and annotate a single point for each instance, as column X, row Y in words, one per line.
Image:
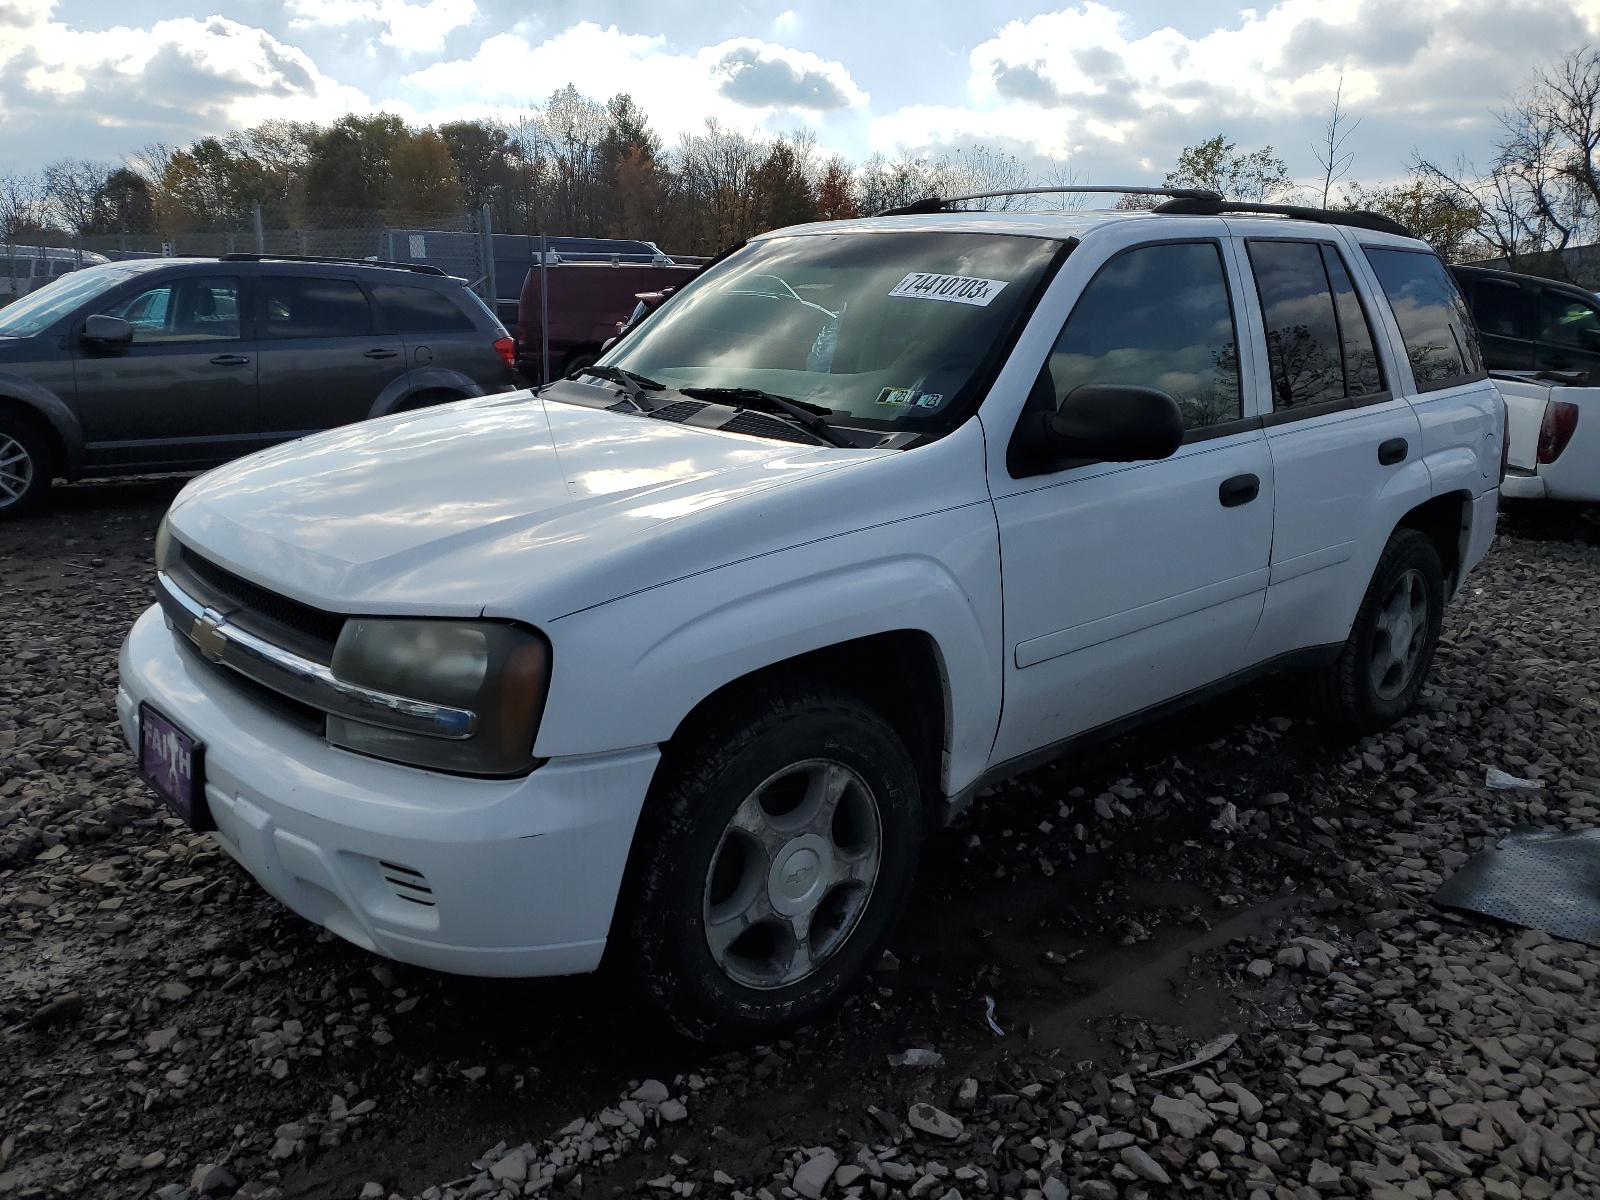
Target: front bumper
column 473, row 876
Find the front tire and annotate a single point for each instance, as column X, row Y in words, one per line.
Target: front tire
column 775, row 857
column 1386, row 659
column 26, row 467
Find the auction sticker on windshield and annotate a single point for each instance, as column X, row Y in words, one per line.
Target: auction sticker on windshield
column 957, row 289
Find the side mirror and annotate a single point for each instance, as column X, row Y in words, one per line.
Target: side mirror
column 107, row 331
column 1105, row 422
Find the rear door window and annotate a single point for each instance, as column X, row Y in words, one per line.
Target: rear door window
column 1503, row 309
column 1568, row 321
column 406, row 309
column 307, row 307
column 1157, row 316
column 1319, row 341
column 1440, row 342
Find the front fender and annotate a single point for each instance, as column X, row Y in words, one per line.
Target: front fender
column 422, row 379
column 47, row 404
column 628, row 672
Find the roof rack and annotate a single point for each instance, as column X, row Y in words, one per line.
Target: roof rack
column 419, row 268
column 1200, row 202
column 933, row 204
column 1355, row 218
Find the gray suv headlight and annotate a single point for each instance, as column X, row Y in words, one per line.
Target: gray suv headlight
column 496, row 675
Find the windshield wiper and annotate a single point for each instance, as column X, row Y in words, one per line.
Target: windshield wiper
column 637, row 385
column 808, row 416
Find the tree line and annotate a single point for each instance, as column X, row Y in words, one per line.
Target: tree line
column 577, row 167
column 574, row 167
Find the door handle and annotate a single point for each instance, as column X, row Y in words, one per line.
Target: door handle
column 381, row 354
column 1393, row 451
column 230, row 360
column 1241, row 489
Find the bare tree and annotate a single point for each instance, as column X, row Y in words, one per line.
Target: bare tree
column 23, row 206
column 72, row 189
column 1335, row 159
column 1541, row 192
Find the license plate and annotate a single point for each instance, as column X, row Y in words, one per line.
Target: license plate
column 173, row 763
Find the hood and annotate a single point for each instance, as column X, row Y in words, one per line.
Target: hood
column 474, row 505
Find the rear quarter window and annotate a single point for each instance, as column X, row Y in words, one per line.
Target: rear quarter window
column 407, row 309
column 1441, row 343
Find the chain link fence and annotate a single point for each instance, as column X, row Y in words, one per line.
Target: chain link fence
column 462, row 242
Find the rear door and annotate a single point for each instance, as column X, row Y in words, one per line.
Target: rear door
column 185, row 392
column 323, row 361
column 1346, row 450
column 440, row 334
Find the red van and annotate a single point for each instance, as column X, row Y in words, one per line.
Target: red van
column 586, row 301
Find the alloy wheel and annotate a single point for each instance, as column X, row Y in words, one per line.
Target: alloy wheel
column 1399, row 634
column 792, row 874
column 16, row 470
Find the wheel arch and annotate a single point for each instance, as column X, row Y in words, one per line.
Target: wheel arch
column 419, row 380
column 45, row 428
column 901, row 673
column 1446, row 521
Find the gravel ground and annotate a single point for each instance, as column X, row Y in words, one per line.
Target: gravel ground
column 1234, row 884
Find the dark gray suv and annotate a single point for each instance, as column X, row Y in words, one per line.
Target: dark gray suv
column 180, row 364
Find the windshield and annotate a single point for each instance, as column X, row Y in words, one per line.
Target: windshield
column 43, row 308
column 888, row 328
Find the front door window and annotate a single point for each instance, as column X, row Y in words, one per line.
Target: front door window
column 197, row 309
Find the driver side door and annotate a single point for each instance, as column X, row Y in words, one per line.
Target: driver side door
column 183, row 394
column 1130, row 584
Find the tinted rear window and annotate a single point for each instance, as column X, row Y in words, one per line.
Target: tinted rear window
column 419, row 310
column 1504, row 310
column 303, row 307
column 1433, row 320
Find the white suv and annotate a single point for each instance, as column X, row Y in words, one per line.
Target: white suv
column 680, row 658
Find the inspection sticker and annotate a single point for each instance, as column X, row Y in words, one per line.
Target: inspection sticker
column 958, row 289
column 897, row 397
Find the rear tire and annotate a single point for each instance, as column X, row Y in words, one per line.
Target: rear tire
column 1386, row 659
column 27, row 468
column 775, row 856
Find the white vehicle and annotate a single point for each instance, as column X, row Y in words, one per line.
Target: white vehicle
column 1554, row 439
column 678, row 660
column 25, row 269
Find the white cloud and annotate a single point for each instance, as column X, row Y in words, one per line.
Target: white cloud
column 1079, row 82
column 176, row 78
column 739, row 81
column 410, row 28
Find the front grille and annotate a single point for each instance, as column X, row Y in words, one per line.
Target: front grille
column 407, row 884
column 764, row 426
column 312, row 720
column 280, row 620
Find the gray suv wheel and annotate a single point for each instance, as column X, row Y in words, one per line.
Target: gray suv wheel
column 25, row 467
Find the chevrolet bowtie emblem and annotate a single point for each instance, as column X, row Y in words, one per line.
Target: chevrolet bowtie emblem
column 207, row 634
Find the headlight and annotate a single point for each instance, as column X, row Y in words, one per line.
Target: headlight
column 499, row 673
column 166, row 547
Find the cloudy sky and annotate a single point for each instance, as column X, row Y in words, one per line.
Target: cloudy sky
column 1108, row 90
